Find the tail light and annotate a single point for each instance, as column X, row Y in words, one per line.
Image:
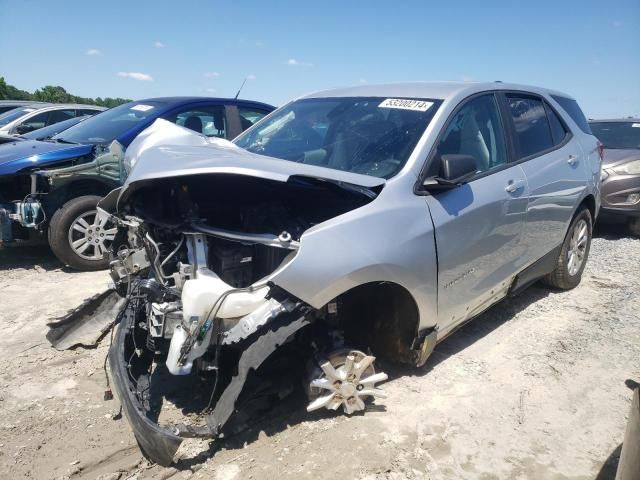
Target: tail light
column 601, row 151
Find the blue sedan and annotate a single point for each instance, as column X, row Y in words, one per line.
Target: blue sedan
column 53, row 186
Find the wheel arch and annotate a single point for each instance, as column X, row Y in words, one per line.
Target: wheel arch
column 588, row 202
column 74, row 189
column 384, row 316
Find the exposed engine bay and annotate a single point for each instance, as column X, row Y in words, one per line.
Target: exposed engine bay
column 195, row 258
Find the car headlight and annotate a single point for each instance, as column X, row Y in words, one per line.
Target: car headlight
column 629, row 168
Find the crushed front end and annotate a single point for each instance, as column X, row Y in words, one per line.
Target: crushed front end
column 197, row 258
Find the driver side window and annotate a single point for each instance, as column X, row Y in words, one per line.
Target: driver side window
column 476, row 130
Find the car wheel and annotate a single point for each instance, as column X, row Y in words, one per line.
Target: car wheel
column 573, row 254
column 634, row 227
column 78, row 237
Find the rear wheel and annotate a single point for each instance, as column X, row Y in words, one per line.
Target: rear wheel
column 634, row 226
column 573, row 254
column 78, row 237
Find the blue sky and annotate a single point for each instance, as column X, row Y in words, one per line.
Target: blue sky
column 140, row 48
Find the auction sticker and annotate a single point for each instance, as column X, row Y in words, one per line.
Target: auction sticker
column 406, row 104
column 141, row 108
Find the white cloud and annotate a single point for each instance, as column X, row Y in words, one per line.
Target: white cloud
column 468, row 78
column 211, row 90
column 298, row 63
column 136, row 76
column 211, row 74
column 362, row 81
column 158, row 44
column 94, row 51
column 251, row 76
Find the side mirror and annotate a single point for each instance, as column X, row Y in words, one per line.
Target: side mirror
column 455, row 170
column 24, row 128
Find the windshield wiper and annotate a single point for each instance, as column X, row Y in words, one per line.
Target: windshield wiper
column 62, row 140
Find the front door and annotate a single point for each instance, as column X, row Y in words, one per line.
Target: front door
column 478, row 226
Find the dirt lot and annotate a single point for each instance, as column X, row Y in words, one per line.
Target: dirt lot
column 532, row 389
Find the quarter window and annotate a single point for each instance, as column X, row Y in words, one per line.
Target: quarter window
column 558, row 132
column 533, row 132
column 476, row 130
column 575, row 112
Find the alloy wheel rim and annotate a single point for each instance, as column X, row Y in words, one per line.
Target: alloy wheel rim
column 90, row 237
column 577, row 247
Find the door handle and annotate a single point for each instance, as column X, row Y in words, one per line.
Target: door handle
column 572, row 160
column 514, row 185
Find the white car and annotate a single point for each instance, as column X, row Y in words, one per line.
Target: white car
column 32, row 117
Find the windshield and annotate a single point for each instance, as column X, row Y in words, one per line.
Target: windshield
column 14, row 114
column 52, row 130
column 367, row 135
column 617, row 135
column 105, row 127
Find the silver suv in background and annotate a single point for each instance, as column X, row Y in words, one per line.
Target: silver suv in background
column 39, row 115
column 372, row 220
column 620, row 170
column 6, row 105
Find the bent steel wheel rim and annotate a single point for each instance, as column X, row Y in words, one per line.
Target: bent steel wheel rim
column 577, row 247
column 90, row 237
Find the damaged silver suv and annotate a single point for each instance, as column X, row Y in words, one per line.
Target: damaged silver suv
column 346, row 226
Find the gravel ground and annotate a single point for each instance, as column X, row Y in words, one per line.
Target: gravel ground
column 534, row 388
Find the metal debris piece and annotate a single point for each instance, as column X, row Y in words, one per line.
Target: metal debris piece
column 86, row 324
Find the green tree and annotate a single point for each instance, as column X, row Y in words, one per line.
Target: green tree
column 54, row 94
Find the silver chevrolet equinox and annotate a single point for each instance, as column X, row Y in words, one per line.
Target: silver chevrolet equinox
column 347, row 225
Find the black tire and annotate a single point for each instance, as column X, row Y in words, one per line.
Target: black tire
column 634, row 227
column 59, row 236
column 561, row 277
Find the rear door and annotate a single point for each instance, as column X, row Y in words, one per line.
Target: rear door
column 553, row 166
column 478, row 226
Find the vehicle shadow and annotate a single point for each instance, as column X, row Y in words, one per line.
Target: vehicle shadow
column 611, row 231
column 264, row 409
column 476, row 329
column 28, row 256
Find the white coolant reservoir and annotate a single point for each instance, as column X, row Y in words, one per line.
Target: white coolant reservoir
column 199, row 296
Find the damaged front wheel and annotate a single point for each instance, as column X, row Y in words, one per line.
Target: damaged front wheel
column 346, row 378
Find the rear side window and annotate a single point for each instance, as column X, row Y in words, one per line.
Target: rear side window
column 60, row 116
column 249, row 116
column 558, row 130
column 570, row 106
column 209, row 121
column 87, row 111
column 533, row 133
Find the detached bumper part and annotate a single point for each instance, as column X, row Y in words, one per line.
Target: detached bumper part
column 161, row 443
